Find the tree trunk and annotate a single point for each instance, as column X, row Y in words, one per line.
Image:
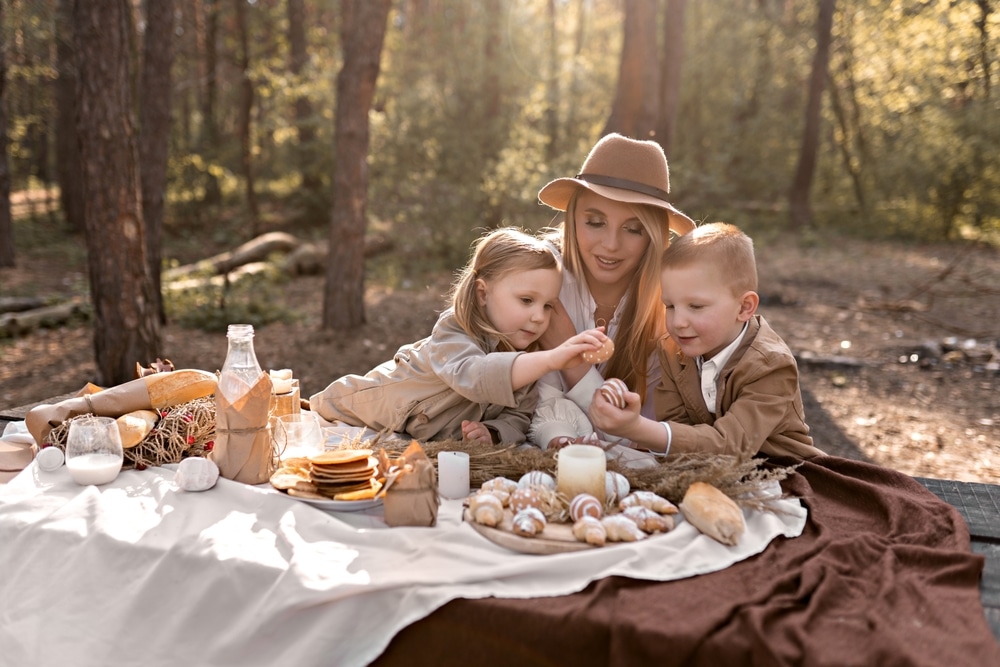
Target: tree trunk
column 154, row 124
column 634, row 111
column 579, row 37
column 6, row 223
column 126, row 323
column 246, row 110
column 799, row 209
column 68, row 159
column 363, row 25
column 670, row 73
column 303, row 111
column 552, row 85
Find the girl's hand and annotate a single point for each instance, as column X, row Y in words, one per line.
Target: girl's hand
column 570, row 353
column 476, row 432
column 614, row 420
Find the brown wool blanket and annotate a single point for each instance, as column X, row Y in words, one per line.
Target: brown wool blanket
column 882, row 575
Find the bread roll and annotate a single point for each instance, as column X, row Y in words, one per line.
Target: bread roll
column 713, row 513
column 135, row 426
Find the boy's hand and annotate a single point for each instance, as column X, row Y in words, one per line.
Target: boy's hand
column 611, row 419
column 476, row 432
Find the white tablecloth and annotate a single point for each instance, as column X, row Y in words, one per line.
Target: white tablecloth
column 139, row 572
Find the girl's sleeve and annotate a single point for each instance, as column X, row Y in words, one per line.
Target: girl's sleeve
column 471, row 372
column 556, row 416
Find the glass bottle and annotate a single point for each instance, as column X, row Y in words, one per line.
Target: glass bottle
column 241, row 369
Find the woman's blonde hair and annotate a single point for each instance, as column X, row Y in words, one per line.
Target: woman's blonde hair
column 642, row 321
column 495, row 255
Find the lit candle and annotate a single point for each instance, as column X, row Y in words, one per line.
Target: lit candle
column 453, row 474
column 581, row 469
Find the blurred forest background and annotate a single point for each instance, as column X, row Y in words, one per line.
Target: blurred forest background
column 171, row 129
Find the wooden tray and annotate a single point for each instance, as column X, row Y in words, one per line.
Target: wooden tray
column 557, row 538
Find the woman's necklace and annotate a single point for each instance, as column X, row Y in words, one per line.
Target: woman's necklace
column 603, row 313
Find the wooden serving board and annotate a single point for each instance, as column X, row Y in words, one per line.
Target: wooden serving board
column 557, row 538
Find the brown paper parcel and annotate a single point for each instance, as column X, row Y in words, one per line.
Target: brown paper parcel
column 243, row 449
column 157, row 391
column 410, row 495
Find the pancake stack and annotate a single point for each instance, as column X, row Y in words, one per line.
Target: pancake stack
column 342, row 474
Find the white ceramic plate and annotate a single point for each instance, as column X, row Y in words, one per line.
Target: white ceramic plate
column 340, row 505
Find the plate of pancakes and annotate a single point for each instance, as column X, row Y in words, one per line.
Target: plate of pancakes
column 346, row 480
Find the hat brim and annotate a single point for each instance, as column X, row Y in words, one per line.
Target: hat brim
column 557, row 194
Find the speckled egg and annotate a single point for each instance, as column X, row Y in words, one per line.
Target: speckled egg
column 523, row 498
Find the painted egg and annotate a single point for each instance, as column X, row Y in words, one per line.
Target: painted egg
column 613, row 391
column 583, row 505
column 537, row 478
column 523, row 498
column 601, row 354
column 616, row 486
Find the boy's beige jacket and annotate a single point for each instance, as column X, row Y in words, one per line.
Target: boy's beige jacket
column 759, row 402
column 430, row 386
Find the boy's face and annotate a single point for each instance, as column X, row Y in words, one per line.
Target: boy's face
column 520, row 303
column 703, row 314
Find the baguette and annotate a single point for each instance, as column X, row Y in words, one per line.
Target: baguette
column 713, row 513
column 135, row 426
column 181, row 386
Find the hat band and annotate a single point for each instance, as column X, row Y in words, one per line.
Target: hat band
column 625, row 184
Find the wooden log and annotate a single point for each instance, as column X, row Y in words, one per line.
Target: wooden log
column 18, row 304
column 255, row 250
column 14, row 324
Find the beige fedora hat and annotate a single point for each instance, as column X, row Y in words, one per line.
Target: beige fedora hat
column 625, row 170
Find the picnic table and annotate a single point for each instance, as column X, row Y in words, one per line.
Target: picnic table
column 883, row 571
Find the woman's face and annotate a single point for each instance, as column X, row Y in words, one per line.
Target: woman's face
column 611, row 239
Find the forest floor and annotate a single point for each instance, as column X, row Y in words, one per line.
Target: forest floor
column 897, row 345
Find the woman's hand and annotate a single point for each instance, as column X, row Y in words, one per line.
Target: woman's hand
column 476, row 432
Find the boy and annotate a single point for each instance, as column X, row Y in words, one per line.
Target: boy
column 730, row 384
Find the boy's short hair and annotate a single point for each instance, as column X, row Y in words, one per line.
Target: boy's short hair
column 726, row 245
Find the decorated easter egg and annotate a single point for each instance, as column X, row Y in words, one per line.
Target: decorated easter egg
column 526, row 497
column 537, row 478
column 616, row 486
column 584, row 504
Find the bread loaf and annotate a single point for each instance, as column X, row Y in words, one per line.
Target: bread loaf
column 175, row 387
column 713, row 513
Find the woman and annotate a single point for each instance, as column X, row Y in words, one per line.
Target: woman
column 617, row 223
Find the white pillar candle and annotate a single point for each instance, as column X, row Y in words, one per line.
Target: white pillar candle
column 453, row 474
column 580, row 469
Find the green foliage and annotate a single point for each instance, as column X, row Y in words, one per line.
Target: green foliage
column 462, row 135
column 252, row 299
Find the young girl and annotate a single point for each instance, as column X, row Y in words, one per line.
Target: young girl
column 474, row 377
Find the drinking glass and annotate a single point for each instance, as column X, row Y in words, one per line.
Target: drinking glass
column 298, row 434
column 94, row 450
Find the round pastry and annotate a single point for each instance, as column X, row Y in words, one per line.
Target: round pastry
column 613, row 391
column 583, row 505
column 537, row 478
column 616, row 486
column 522, row 498
column 601, row 354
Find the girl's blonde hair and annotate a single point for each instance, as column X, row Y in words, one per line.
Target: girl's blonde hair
column 495, row 255
column 642, row 321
